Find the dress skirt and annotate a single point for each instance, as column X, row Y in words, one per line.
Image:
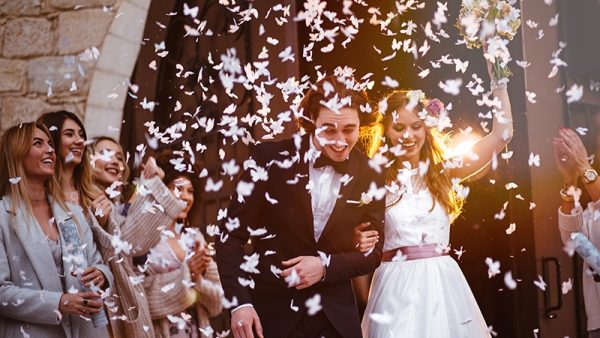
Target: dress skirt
column 422, row 298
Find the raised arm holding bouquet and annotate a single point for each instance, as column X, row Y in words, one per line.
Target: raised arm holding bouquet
column 490, row 23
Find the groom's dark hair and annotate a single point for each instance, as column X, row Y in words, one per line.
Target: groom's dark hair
column 325, row 90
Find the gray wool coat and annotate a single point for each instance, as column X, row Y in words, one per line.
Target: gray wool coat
column 30, row 287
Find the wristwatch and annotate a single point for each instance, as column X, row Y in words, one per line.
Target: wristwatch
column 589, row 176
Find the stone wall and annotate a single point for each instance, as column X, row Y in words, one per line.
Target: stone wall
column 48, row 53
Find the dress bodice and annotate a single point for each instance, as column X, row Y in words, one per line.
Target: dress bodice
column 412, row 218
column 162, row 259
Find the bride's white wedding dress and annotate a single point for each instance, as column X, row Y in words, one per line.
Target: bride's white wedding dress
column 420, row 298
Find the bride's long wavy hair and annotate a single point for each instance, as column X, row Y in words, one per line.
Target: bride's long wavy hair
column 434, row 149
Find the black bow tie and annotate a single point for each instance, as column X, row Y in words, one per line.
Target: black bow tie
column 340, row 167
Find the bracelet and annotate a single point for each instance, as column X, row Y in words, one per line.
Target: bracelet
column 499, row 84
column 324, row 268
column 566, row 197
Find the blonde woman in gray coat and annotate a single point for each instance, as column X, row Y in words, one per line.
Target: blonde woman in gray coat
column 48, row 286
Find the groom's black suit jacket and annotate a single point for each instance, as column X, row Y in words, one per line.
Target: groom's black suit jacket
column 289, row 225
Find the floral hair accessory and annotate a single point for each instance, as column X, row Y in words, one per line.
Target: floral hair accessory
column 434, row 112
column 434, row 107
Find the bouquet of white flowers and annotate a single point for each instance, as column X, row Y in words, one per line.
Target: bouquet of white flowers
column 490, row 23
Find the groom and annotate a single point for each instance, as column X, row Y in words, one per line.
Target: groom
column 304, row 203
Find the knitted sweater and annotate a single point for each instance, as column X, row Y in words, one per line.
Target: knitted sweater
column 581, row 221
column 129, row 316
column 205, row 296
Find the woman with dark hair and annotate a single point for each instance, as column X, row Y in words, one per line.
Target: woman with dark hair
column 182, row 258
column 420, row 287
column 73, row 169
column 129, row 228
column 45, row 245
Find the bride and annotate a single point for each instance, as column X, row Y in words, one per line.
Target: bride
column 420, row 291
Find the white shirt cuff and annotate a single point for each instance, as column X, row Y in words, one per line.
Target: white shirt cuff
column 241, row 306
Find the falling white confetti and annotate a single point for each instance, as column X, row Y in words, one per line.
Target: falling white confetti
column 531, row 96
column 313, row 304
column 511, row 228
column 250, row 264
column 509, row 281
column 531, row 24
column 168, row 287
column 460, row 65
column 294, row 307
column 493, row 267
column 459, row 252
column 567, row 286
column 553, row 21
column 540, row 283
column 534, row 160
column 293, row 278
column 192, row 12
column 575, row 93
column 258, row 232
column 451, row 86
column 424, row 73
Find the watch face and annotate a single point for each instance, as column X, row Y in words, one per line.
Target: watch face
column 591, row 175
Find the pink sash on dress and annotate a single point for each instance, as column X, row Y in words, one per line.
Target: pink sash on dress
column 413, row 252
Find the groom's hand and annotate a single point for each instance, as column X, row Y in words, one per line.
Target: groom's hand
column 242, row 321
column 309, row 269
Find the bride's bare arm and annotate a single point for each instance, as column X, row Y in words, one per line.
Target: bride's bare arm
column 485, row 149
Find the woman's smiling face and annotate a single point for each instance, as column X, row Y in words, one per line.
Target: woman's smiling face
column 407, row 130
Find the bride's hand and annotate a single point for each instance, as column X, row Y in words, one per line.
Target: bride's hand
column 365, row 240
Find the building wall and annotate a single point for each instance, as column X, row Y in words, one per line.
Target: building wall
column 46, row 60
column 52, row 52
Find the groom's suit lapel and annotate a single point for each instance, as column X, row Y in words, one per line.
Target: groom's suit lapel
column 305, row 199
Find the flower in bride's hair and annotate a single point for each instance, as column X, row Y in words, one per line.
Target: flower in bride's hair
column 435, row 107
